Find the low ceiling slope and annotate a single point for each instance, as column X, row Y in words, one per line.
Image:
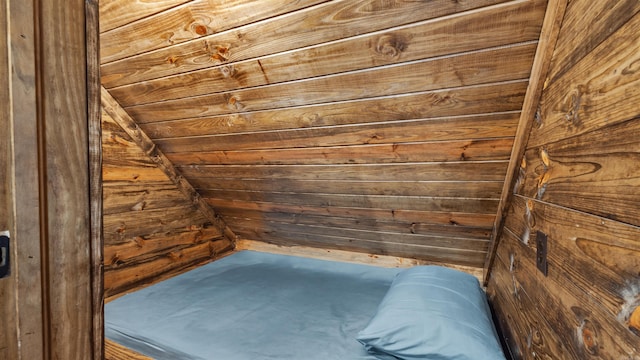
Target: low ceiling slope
column 368, row 125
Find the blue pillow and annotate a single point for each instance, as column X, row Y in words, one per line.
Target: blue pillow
column 433, row 312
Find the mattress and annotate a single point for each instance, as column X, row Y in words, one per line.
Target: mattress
column 252, row 306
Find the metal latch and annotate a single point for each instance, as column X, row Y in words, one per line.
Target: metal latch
column 5, row 254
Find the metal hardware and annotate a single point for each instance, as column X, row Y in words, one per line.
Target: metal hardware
column 5, row 263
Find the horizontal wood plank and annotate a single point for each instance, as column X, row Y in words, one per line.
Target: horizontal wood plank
column 458, row 171
column 124, row 197
column 468, row 150
column 347, row 256
column 193, row 20
column 386, row 215
column 578, row 101
column 141, row 248
column 468, row 189
column 468, row 31
column 445, row 103
column 328, row 22
column 132, row 173
column 388, row 247
column 445, row 242
column 474, row 68
column 122, row 279
column 536, row 339
column 248, row 218
column 359, row 201
column 585, row 26
column 115, row 13
column 573, row 312
column 467, row 127
column 115, row 351
column 574, row 235
column 119, row 228
column 580, row 172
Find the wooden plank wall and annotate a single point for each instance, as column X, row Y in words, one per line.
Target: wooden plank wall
column 579, row 185
column 380, row 127
column 9, row 338
column 150, row 228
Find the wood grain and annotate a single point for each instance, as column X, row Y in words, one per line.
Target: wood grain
column 193, row 20
column 346, row 256
column 336, row 19
column 533, row 332
column 141, row 248
column 121, row 197
column 94, row 112
column 467, row 31
column 249, row 217
column 474, row 129
column 585, row 27
column 433, row 74
column 347, row 200
column 468, row 150
column 146, row 216
column 8, row 288
column 580, row 172
column 468, row 189
column 603, row 85
column 470, row 171
column 548, row 39
column 115, row 13
column 115, row 351
column 33, row 331
column 580, row 168
column 360, row 214
column 64, row 96
column 125, row 278
column 457, row 256
column 148, row 146
column 578, row 321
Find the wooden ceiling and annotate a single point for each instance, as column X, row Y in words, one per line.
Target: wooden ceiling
column 379, row 126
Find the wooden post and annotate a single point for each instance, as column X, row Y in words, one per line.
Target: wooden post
column 546, row 45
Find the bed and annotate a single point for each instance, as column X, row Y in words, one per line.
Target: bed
column 252, row 305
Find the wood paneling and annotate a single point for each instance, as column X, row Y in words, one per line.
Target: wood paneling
column 8, row 287
column 150, row 227
column 115, row 351
column 330, row 21
column 357, row 118
column 115, row 13
column 468, row 31
column 193, row 20
column 578, row 184
column 548, row 39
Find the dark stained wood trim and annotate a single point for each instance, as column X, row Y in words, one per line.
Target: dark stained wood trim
column 123, row 119
column 541, row 63
column 94, row 110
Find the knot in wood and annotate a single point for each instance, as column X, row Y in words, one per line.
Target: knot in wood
column 390, row 46
column 227, row 71
column 200, row 29
column 589, row 337
column 574, row 103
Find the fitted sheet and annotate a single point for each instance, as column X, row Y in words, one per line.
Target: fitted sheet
column 252, row 306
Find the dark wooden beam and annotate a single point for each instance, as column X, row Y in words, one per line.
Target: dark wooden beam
column 541, row 63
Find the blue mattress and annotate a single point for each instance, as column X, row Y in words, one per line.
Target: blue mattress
column 252, row 306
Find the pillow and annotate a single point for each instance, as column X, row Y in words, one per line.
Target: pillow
column 433, row 312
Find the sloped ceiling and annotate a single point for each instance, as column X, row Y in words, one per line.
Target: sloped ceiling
column 377, row 126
